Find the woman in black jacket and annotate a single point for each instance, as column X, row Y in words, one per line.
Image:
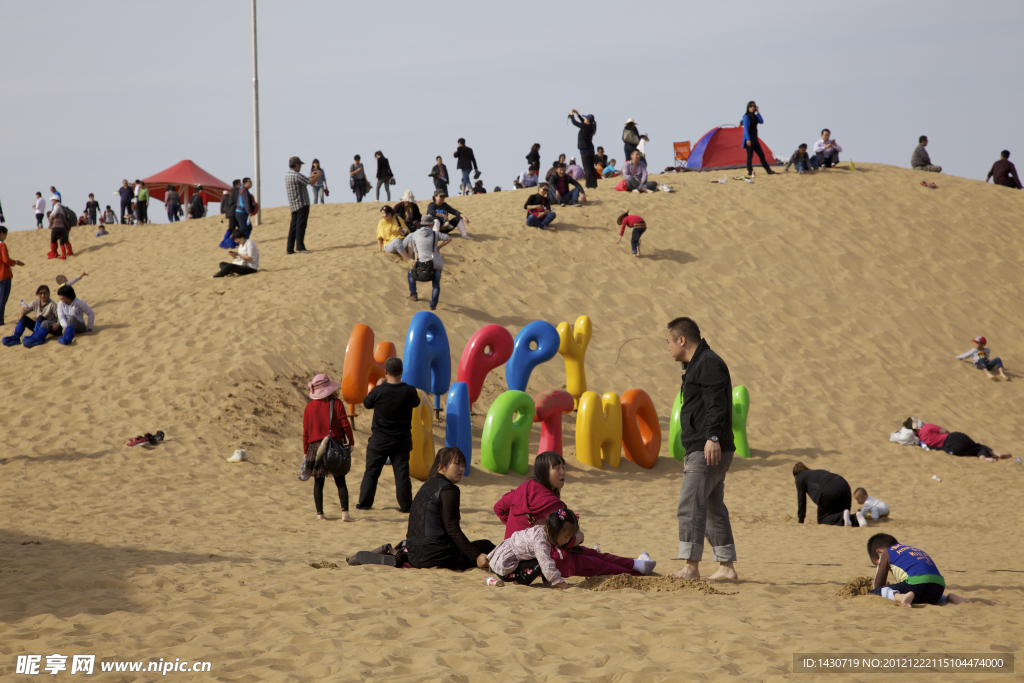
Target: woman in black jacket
column 534, row 156
column 829, row 491
column 585, row 143
column 435, row 537
column 384, row 174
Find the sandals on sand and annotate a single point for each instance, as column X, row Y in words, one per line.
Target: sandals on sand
column 931, row 186
column 137, row 441
column 147, row 438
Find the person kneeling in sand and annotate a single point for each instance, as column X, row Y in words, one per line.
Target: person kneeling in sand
column 871, row 508
column 829, row 491
column 982, row 358
column 247, row 257
column 526, row 554
column 918, row 578
column 390, row 231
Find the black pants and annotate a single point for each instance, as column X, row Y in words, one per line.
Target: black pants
column 628, row 149
column 755, row 146
column 927, row 593
column 588, row 168
column 386, row 183
column 827, row 162
column 58, row 235
column 525, row 573
column 360, row 187
column 318, row 493
column 39, row 219
column 958, row 443
column 232, row 221
column 144, row 212
column 834, row 500
column 125, row 206
column 374, row 466
column 297, row 230
column 445, row 556
column 236, row 268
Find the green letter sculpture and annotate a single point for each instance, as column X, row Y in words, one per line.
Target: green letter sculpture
column 505, row 441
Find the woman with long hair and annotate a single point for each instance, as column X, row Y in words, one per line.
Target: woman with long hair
column 537, row 498
column 320, row 186
column 534, row 156
column 751, row 119
column 384, row 174
column 317, row 421
column 435, row 537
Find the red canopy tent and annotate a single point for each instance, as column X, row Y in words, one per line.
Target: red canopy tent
column 185, row 176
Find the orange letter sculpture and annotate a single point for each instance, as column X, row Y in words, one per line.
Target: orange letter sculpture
column 599, row 429
column 641, row 431
column 362, row 366
column 421, row 457
column 572, row 344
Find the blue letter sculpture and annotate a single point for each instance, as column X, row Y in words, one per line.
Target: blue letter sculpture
column 427, row 357
column 524, row 359
column 458, row 431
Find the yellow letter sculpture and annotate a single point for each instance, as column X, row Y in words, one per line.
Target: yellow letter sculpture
column 421, row 457
column 599, row 429
column 572, row 344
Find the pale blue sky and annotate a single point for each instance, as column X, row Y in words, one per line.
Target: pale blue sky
column 94, row 92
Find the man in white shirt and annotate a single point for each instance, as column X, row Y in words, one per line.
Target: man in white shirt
column 247, row 257
column 71, row 315
column 528, row 178
column 40, row 207
column 826, row 150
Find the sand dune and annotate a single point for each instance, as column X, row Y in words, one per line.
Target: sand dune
column 837, row 300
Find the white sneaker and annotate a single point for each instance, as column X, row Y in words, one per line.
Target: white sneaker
column 861, row 519
column 644, row 557
column 239, row 456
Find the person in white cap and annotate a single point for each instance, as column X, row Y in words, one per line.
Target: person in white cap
column 631, row 137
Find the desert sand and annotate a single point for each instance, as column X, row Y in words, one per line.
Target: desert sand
column 837, row 299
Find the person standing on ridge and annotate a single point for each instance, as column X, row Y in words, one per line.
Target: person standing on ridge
column 750, row 121
column 384, row 174
column 585, row 143
column 466, row 163
column 706, row 419
column 298, row 201
column 126, row 194
column 631, row 138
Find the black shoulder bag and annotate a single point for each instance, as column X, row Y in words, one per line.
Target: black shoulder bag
column 337, row 457
column 423, row 271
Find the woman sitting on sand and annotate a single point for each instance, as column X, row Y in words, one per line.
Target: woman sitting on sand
column 408, row 210
column 954, row 443
column 316, row 422
column 537, row 498
column 435, row 537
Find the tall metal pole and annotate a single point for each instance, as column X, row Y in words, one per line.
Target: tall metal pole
column 256, row 115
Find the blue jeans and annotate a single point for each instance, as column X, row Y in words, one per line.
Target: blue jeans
column 572, row 197
column 465, row 178
column 318, row 195
column 801, row 166
column 634, row 239
column 172, row 213
column 435, row 295
column 541, row 223
column 5, row 293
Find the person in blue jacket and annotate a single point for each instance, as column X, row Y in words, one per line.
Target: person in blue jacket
column 750, row 141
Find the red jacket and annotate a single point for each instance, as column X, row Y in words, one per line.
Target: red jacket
column 523, row 507
column 316, row 419
column 5, row 263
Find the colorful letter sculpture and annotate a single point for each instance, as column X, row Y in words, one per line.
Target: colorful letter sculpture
column 505, row 442
column 675, row 431
column 362, row 366
column 458, row 431
column 599, row 429
column 641, row 431
column 476, row 362
column 421, row 457
column 740, row 410
column 573, row 347
column 427, row 357
column 551, row 405
column 524, row 359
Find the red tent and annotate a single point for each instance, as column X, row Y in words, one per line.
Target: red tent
column 722, row 148
column 185, row 176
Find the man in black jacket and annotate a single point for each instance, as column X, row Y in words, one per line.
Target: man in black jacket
column 706, row 433
column 830, row 492
column 232, row 205
column 466, row 163
column 449, row 216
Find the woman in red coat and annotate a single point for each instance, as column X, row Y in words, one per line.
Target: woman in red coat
column 536, row 498
column 316, row 420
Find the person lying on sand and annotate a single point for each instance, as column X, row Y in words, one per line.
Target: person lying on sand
column 982, row 358
column 535, row 499
column 918, row 578
column 526, row 554
column 955, row 443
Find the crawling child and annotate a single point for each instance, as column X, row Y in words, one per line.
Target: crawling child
column 918, row 579
column 639, row 228
column 871, row 508
column 526, row 554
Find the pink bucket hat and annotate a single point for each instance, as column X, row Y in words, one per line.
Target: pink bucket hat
column 321, row 386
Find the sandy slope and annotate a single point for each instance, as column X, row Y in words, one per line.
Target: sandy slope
column 837, row 300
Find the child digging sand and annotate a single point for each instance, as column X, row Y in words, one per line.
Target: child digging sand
column 870, row 508
column 983, row 360
column 918, row 579
column 639, row 228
